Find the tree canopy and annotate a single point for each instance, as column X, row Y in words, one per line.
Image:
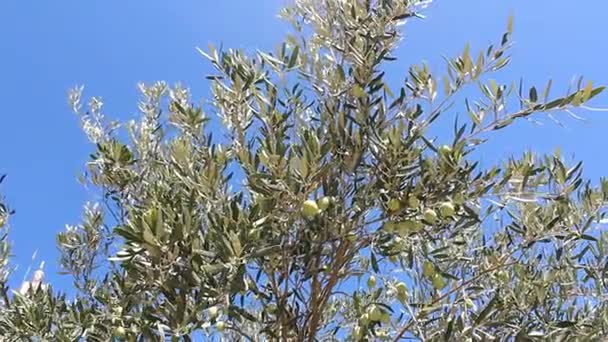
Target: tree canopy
column 309, row 200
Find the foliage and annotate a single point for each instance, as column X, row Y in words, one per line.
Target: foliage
column 323, row 208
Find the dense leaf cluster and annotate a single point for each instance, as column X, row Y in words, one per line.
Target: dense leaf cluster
column 309, row 200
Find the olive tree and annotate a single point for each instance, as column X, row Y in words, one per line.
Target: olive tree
column 308, row 200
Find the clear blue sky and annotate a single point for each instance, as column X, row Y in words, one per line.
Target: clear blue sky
column 47, row 47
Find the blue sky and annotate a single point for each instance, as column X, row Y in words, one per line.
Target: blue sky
column 47, row 47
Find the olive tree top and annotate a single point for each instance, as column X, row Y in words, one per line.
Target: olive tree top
column 308, row 200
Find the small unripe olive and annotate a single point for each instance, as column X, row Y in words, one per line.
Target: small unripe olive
column 447, row 209
column 310, row 209
column 401, row 288
column 375, row 314
column 428, row 269
column 213, row 312
column 413, row 202
column 438, row 282
column 220, row 326
column 394, row 205
column 324, row 203
column 120, row 332
column 445, row 149
column 430, row 216
column 371, row 281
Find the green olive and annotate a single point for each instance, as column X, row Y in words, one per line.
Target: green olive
column 438, row 282
column 310, row 209
column 430, row 216
column 447, row 209
column 428, row 269
column 371, row 281
column 324, row 203
column 393, row 205
column 401, row 288
column 375, row 314
column 413, row 202
column 445, row 150
column 220, row 326
column 120, row 332
column 213, row 312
